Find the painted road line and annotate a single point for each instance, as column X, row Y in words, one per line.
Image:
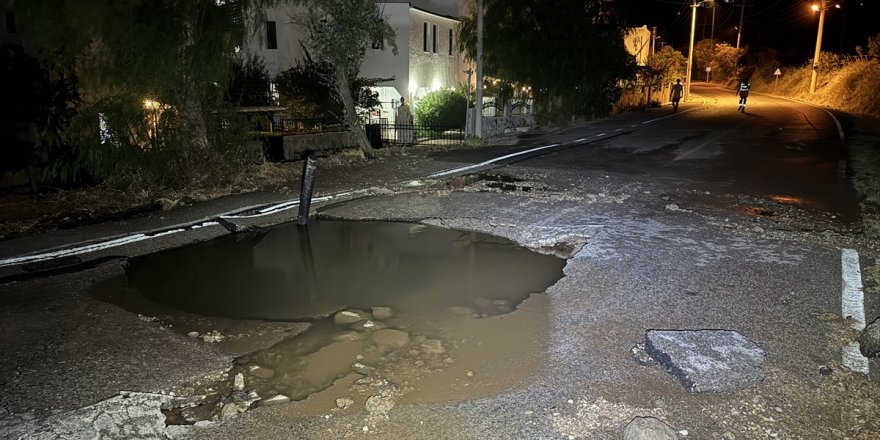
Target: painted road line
column 840, row 135
column 601, row 134
column 580, row 139
column 134, row 238
column 94, row 247
column 490, row 161
column 618, row 129
column 853, row 306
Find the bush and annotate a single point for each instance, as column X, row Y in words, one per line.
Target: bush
column 445, row 107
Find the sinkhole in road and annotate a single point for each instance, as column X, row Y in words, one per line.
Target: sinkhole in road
column 388, row 304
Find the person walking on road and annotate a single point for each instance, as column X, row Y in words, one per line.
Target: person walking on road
column 675, row 94
column 743, row 92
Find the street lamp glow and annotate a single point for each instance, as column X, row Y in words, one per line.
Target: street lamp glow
column 815, row 7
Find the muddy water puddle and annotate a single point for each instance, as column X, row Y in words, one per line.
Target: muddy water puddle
column 395, row 313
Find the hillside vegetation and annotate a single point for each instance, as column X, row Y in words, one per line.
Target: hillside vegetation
column 852, row 87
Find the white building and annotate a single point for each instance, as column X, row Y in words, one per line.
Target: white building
column 277, row 40
column 427, row 57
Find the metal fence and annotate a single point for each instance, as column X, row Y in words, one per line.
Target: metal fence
column 275, row 123
column 382, row 133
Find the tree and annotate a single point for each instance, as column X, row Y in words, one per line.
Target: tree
column 35, row 100
column 726, row 61
column 572, row 53
column 666, row 65
column 339, row 33
column 250, row 83
column 874, row 46
column 175, row 52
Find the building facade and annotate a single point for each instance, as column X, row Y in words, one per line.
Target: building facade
column 428, row 58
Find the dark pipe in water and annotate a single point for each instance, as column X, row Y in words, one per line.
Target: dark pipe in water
column 308, row 186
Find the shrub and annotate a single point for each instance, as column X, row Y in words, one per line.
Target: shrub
column 445, row 107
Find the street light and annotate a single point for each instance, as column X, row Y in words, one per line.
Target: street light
column 820, row 8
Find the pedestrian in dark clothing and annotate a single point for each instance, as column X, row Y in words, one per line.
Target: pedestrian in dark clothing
column 675, row 94
column 743, row 92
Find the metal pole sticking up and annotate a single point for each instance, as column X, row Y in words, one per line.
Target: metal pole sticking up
column 308, row 187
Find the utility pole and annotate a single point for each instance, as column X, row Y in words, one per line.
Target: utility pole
column 712, row 31
column 814, row 77
column 690, row 63
column 478, row 126
column 654, row 40
column 742, row 15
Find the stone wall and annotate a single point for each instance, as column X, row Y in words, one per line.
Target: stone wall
column 497, row 125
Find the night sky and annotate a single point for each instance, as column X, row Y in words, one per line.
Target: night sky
column 786, row 25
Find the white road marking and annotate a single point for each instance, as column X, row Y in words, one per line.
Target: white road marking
column 94, row 247
column 618, row 129
column 600, row 134
column 839, row 127
column 490, row 161
column 853, row 305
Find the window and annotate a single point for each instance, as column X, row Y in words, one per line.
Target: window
column 10, row 22
column 434, row 38
column 450, row 42
column 271, row 36
column 425, row 36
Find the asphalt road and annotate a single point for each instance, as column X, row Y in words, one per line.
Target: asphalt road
column 702, row 219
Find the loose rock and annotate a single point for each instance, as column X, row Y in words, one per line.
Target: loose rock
column 344, row 402
column 213, row 336
column 648, row 428
column 261, row 372
column 869, row 339
column 277, row 399
column 229, row 411
column 347, row 317
column 382, row 313
column 433, row 346
column 368, row 325
column 707, row 360
column 641, row 356
column 390, row 338
column 379, row 405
